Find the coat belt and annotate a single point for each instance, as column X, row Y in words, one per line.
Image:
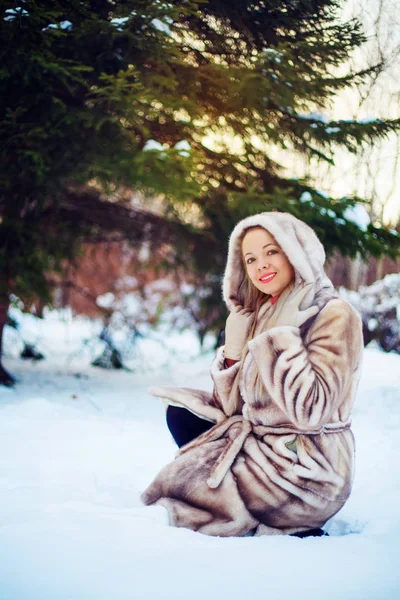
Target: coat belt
column 230, row 452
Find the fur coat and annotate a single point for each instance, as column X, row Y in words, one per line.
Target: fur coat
column 284, row 462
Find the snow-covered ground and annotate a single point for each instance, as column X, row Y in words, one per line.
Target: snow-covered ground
column 79, row 444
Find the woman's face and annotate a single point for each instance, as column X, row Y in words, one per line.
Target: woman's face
column 266, row 264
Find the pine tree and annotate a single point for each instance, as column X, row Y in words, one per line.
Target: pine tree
column 78, row 81
column 87, row 84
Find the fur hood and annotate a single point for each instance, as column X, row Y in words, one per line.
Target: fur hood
column 301, row 246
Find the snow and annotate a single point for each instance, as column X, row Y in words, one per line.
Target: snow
column 357, row 215
column 379, row 305
column 65, row 25
column 313, row 116
column 377, row 298
column 105, row 300
column 78, row 445
column 368, row 120
column 332, row 129
column 12, row 13
column 163, row 26
column 183, row 147
column 305, row 197
column 119, row 21
column 16, row 11
column 153, row 145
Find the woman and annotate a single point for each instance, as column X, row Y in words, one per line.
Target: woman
column 279, row 455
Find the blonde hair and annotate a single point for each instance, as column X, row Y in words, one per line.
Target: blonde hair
column 249, row 296
column 254, row 299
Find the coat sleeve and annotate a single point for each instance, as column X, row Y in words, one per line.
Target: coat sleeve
column 309, row 380
column 216, row 406
column 199, row 402
column 224, row 382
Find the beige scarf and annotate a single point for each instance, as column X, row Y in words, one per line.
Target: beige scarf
column 266, row 317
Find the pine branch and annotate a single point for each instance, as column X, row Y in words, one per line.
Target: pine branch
column 134, row 225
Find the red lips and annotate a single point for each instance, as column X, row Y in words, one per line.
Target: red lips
column 267, row 277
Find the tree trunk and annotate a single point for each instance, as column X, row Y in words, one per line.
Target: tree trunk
column 356, row 272
column 5, row 377
column 379, row 269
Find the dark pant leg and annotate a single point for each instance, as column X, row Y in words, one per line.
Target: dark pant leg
column 184, row 425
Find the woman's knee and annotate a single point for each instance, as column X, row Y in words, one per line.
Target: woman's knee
column 184, row 425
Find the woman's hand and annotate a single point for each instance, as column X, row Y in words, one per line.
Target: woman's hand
column 236, row 331
column 291, row 313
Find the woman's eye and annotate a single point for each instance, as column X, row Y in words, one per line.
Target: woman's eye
column 249, row 260
column 272, row 252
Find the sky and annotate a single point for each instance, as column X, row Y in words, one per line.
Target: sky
column 375, row 173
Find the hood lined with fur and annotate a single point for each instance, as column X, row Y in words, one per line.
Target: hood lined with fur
column 297, row 240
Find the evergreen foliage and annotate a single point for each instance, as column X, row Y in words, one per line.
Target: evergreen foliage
column 85, row 85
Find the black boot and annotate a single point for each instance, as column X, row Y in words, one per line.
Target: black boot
column 317, row 532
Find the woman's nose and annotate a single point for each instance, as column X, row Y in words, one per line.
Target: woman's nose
column 262, row 264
